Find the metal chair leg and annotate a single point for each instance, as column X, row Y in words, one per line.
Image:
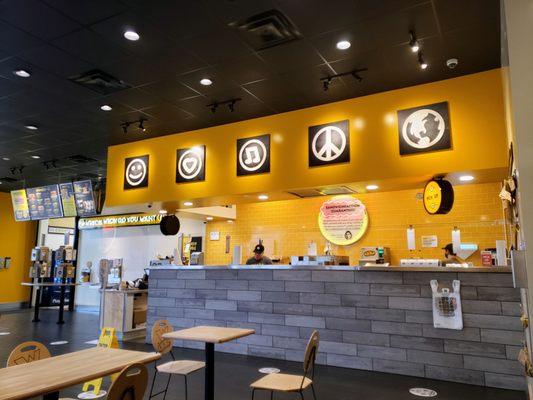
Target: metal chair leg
column 186, row 394
column 166, row 388
column 313, row 389
column 153, row 382
column 253, row 393
column 271, row 395
column 301, row 394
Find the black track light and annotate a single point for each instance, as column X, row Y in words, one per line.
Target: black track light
column 231, row 105
column 413, row 43
column 423, row 64
column 141, row 125
column 326, row 84
column 214, row 107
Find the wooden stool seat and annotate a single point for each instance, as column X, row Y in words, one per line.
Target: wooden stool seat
column 282, row 383
column 180, row 367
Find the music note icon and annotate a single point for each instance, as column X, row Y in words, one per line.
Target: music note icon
column 252, row 155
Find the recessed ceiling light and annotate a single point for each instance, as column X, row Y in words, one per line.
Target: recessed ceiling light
column 372, row 187
column 131, row 35
column 206, row 81
column 106, row 107
column 262, row 197
column 343, row 45
column 188, row 203
column 209, row 218
column 5, row 158
column 466, row 178
column 230, row 221
column 22, row 73
column 31, row 127
column 36, row 157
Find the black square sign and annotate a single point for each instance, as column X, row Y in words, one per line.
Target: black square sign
column 253, row 155
column 190, row 164
column 423, row 129
column 329, row 143
column 136, row 172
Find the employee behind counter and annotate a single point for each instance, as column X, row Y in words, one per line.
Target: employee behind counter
column 259, row 257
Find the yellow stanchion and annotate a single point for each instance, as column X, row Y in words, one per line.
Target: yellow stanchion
column 107, row 338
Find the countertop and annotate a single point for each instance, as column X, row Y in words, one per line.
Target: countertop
column 337, row 268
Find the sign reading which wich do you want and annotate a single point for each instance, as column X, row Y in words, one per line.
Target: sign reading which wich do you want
column 421, row 129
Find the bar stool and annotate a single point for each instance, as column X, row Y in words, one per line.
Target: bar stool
column 174, row 367
column 27, row 352
column 130, row 384
column 292, row 383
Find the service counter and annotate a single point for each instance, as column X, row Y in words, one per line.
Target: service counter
column 372, row 318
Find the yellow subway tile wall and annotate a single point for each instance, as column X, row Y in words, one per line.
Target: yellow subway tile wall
column 287, row 227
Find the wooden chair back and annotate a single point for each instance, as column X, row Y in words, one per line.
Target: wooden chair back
column 28, row 352
column 130, row 384
column 161, row 345
column 310, row 353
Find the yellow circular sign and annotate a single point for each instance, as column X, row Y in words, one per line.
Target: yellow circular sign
column 438, row 197
column 343, row 220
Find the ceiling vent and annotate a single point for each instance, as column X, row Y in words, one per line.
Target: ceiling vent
column 8, row 179
column 100, row 82
column 268, row 29
column 336, row 190
column 303, row 193
column 81, row 159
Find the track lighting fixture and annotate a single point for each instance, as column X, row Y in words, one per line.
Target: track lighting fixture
column 230, row 103
column 14, row 170
column 423, row 64
column 328, row 79
column 125, row 125
column 413, row 43
column 50, row 164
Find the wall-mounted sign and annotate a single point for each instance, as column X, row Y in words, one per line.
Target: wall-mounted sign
column 343, row 220
column 21, row 210
column 118, row 221
column 60, row 230
column 44, row 202
column 67, row 199
column 425, row 128
column 253, row 155
column 430, row 241
column 438, row 197
column 136, row 172
column 190, row 164
column 329, row 143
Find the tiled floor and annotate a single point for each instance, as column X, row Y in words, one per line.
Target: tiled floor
column 234, row 372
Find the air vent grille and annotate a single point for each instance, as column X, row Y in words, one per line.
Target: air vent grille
column 336, row 190
column 81, row 159
column 304, row 193
column 100, row 82
column 268, row 29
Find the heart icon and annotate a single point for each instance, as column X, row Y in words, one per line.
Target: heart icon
column 189, row 164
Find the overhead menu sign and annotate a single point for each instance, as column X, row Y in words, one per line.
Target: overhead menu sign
column 21, row 210
column 83, row 194
column 343, row 220
column 67, row 199
column 117, row 221
column 44, row 202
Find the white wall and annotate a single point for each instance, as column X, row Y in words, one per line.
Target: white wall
column 136, row 245
column 54, row 240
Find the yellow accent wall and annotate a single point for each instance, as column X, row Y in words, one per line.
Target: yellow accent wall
column 288, row 226
column 478, row 139
column 16, row 241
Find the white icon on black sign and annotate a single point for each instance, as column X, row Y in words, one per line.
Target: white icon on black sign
column 136, row 172
column 190, row 164
column 253, row 155
column 329, row 143
column 424, row 128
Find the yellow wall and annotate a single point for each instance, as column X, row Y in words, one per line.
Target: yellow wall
column 477, row 126
column 288, row 226
column 16, row 241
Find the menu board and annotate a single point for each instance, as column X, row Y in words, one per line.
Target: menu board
column 67, row 199
column 44, row 202
column 83, row 193
column 21, row 210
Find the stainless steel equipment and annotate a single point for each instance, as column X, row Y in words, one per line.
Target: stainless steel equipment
column 197, row 258
column 320, row 260
column 369, row 256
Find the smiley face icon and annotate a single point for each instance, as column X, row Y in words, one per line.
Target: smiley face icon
column 136, row 172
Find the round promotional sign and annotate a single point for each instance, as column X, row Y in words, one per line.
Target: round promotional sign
column 343, row 220
column 438, row 197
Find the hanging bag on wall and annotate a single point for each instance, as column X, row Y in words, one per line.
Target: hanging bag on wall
column 447, row 312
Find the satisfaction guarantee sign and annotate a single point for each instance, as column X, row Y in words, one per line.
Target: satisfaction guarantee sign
column 343, row 220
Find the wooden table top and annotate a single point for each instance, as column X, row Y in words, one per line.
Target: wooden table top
column 53, row 374
column 209, row 334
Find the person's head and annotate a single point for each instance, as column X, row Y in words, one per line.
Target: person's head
column 259, row 249
column 448, row 250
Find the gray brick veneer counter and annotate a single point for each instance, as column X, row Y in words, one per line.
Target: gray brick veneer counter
column 376, row 319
